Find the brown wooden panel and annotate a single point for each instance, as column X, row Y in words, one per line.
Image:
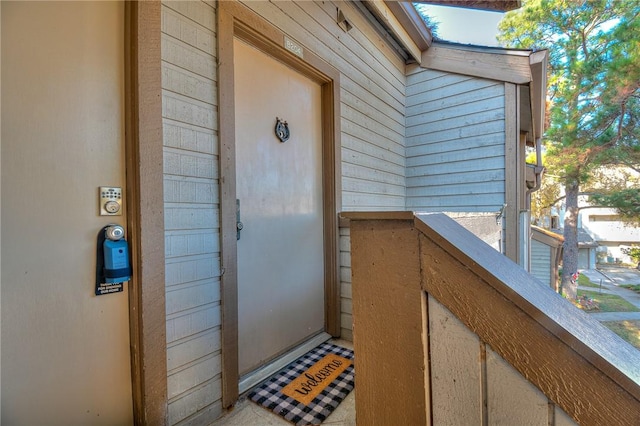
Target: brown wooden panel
column 512, row 212
column 228, row 250
column 387, row 306
column 145, row 215
column 492, row 5
column 511, row 67
column 580, row 366
column 573, row 360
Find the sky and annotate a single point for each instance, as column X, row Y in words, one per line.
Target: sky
column 466, row 25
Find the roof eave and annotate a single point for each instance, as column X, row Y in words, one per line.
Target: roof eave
column 415, row 26
column 490, row 5
column 508, row 65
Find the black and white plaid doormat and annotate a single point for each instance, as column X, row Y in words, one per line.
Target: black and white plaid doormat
column 310, row 388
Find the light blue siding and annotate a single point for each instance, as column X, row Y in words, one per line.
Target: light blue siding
column 541, row 261
column 191, row 197
column 455, row 153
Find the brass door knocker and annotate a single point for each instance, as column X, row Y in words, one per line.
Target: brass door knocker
column 282, row 130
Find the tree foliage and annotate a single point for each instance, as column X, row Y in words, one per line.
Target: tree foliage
column 431, row 22
column 633, row 253
column 594, row 78
column 626, row 202
column 593, row 89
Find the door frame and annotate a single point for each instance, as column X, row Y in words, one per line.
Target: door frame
column 236, row 20
column 145, row 213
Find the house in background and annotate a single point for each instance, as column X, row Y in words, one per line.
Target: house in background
column 587, row 247
column 546, row 255
column 602, row 234
column 611, row 233
column 238, row 131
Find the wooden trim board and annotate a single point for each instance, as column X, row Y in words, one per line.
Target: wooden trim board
column 145, row 216
column 511, row 248
column 500, row 65
column 388, row 309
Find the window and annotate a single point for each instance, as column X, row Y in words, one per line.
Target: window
column 604, row 218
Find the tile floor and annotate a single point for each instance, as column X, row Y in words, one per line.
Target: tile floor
column 247, row 413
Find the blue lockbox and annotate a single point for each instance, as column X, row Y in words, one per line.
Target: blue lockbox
column 116, row 261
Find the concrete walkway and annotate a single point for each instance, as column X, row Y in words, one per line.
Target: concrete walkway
column 610, row 278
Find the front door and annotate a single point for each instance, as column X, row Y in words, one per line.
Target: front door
column 280, row 197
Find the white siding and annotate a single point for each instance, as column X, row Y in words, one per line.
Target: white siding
column 455, row 143
column 191, row 197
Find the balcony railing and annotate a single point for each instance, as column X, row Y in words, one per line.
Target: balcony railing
column 449, row 331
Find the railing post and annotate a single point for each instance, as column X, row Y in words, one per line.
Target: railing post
column 388, row 309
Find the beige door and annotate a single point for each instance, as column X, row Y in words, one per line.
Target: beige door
column 279, row 188
column 65, row 351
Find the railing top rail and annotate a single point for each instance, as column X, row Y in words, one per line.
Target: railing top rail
column 582, row 333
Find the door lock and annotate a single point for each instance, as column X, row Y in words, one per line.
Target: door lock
column 239, row 224
column 110, row 201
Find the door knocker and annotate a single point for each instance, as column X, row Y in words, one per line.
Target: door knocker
column 282, row 130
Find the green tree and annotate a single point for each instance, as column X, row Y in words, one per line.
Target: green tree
column 593, row 88
column 431, row 23
column 633, row 253
column 625, row 201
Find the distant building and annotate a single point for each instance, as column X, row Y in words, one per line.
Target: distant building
column 587, row 247
column 546, row 255
column 601, row 232
column 611, row 234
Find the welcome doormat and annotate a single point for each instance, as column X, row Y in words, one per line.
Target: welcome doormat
column 310, row 388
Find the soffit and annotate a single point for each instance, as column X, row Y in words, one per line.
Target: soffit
column 491, row 5
column 509, row 65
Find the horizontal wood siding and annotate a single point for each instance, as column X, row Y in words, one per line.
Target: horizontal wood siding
column 455, row 143
column 346, row 306
column 191, row 197
column 372, row 89
column 541, row 261
column 372, row 97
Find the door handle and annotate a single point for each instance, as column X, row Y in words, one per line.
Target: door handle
column 239, row 224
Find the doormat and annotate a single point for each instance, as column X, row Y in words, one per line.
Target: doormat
column 310, row 388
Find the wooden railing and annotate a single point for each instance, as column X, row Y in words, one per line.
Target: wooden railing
column 449, row 331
